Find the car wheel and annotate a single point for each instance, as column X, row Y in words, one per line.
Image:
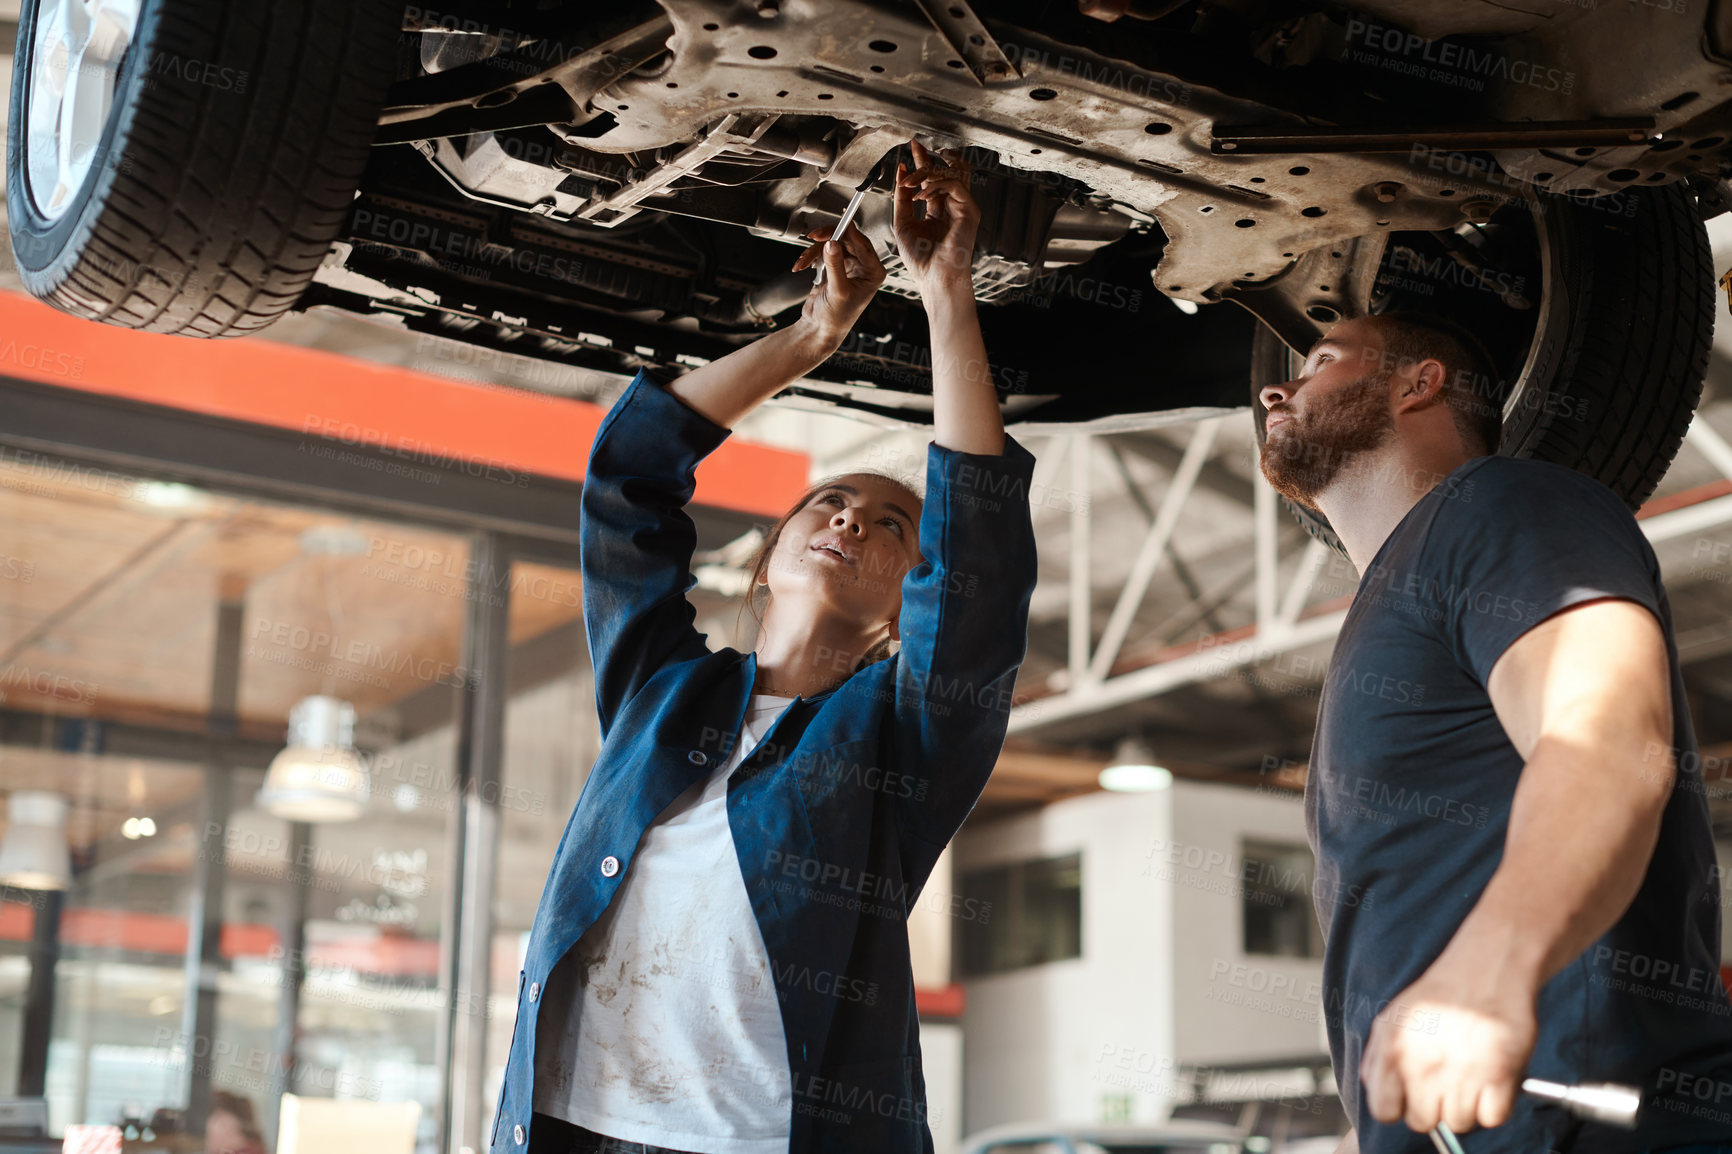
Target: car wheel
column 181, row 166
column 1611, row 374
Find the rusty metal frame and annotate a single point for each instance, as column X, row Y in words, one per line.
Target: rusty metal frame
column 1237, row 213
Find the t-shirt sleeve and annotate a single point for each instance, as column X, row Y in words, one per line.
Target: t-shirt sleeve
column 1533, row 541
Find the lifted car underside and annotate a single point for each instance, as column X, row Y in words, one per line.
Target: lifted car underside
column 561, row 172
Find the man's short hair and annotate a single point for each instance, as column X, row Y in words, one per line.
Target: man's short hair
column 1471, row 385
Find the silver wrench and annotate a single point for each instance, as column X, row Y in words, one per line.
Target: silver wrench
column 1600, row 1102
column 842, row 225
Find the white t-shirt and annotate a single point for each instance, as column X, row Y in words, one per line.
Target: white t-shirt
column 662, row 1024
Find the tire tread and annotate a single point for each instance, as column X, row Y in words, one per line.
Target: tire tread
column 1636, row 345
column 223, row 204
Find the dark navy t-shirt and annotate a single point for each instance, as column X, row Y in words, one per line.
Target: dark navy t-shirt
column 1409, row 797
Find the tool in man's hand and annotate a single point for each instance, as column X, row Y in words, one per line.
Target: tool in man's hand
column 1599, row 1102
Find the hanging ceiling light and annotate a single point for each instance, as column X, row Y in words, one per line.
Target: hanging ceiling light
column 34, row 854
column 319, row 777
column 1133, row 769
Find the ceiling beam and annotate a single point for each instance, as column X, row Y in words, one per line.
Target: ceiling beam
column 1215, row 476
column 1694, row 511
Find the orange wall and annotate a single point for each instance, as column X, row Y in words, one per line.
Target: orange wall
column 356, row 402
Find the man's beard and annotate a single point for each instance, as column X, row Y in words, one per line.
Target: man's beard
column 1303, row 462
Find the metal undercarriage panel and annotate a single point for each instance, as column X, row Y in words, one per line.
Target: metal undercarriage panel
column 1140, row 142
column 1256, row 151
column 829, row 86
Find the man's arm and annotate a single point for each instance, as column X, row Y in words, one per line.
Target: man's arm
column 1584, row 697
column 1349, row 1143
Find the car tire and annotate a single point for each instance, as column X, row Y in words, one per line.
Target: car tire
column 228, row 154
column 1614, row 371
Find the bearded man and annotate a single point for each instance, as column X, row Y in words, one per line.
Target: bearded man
column 1528, row 814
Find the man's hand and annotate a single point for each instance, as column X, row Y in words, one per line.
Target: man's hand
column 938, row 249
column 853, row 274
column 1450, row 1048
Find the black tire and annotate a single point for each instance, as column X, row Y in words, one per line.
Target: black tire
column 234, row 145
column 1614, row 370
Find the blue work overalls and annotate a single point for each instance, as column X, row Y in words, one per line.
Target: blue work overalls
column 841, row 810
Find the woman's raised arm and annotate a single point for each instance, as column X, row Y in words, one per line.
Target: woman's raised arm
column 637, row 540
column 964, row 619
column 938, row 251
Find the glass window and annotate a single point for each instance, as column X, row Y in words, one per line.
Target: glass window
column 1036, row 915
column 154, row 639
column 372, row 614
column 1279, row 920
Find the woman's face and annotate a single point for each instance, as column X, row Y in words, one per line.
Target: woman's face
column 848, row 549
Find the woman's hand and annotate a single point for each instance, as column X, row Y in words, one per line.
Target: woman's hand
column 728, row 388
column 852, row 275
column 938, row 249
